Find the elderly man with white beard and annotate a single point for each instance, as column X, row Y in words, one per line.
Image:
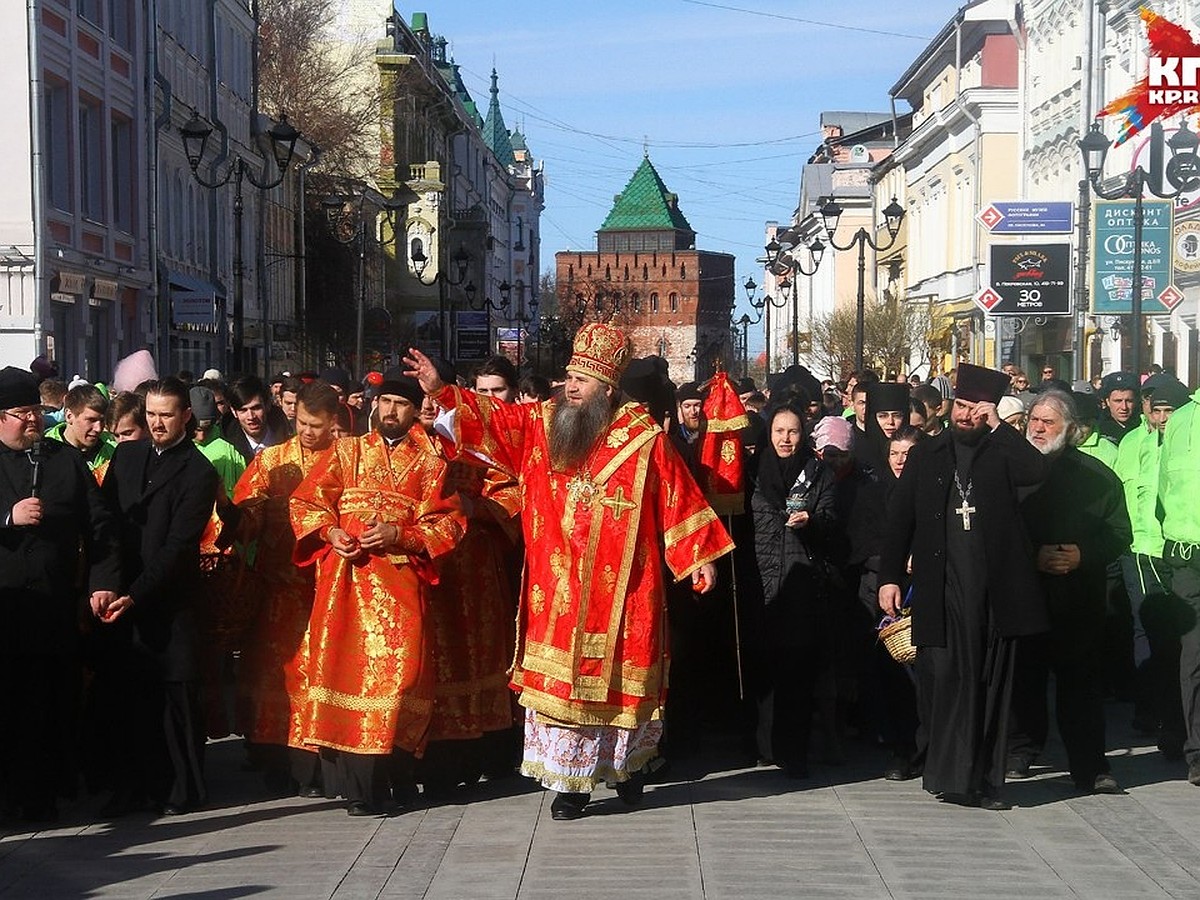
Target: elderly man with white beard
column 1078, row 523
column 607, row 508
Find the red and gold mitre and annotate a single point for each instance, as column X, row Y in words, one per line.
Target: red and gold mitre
column 601, row 351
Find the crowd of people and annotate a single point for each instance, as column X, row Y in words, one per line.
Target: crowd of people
column 394, row 587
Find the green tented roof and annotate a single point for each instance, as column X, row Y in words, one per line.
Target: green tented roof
column 646, row 205
column 495, row 135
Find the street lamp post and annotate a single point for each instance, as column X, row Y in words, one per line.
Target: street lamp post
column 778, row 253
column 893, row 215
column 745, row 322
column 461, row 260
column 1182, row 171
column 347, row 217
column 195, row 133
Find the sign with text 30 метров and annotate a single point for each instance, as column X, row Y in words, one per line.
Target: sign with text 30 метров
column 1112, row 251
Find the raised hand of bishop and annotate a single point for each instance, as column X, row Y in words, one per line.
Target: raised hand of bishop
column 421, row 367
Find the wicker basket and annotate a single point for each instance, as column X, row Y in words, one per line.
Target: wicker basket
column 897, row 638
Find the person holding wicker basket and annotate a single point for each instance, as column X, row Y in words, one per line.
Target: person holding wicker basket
column 975, row 586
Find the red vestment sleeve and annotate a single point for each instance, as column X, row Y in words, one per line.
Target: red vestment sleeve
column 692, row 534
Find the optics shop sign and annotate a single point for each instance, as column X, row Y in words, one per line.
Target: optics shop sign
column 1113, row 252
column 1028, row 280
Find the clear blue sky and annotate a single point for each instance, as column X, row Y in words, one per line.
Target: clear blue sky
column 727, row 96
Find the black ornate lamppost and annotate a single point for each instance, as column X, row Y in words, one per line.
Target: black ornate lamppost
column 348, row 218
column 893, row 215
column 461, row 260
column 783, row 256
column 195, row 134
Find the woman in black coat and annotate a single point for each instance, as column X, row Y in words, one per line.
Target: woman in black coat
column 792, row 505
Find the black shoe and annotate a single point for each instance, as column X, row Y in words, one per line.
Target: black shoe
column 361, row 808
column 899, row 770
column 631, row 791
column 176, row 809
column 1018, row 768
column 1104, row 783
column 311, row 792
column 566, row 807
column 993, row 803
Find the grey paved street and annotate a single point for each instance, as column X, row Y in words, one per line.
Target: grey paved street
column 725, row 833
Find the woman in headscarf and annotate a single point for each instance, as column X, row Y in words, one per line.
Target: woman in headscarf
column 792, row 505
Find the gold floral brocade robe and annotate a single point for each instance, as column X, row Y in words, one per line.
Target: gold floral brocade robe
column 472, row 608
column 272, row 686
column 370, row 680
column 591, row 641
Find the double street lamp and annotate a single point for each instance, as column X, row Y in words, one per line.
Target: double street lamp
column 348, row 218
column 195, row 133
column 462, row 261
column 893, row 215
column 784, row 255
column 1182, row 171
column 745, row 322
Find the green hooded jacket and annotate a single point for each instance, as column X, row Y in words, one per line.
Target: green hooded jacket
column 103, row 454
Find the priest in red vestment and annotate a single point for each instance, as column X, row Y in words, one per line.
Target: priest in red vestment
column 471, row 612
column 272, row 690
column 372, row 516
column 606, row 502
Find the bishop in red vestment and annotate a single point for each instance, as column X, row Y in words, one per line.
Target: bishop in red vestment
column 607, row 501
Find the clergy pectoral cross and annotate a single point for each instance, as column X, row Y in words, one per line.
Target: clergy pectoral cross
column 965, row 511
column 618, row 504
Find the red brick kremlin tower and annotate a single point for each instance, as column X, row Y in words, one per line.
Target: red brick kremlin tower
column 647, row 277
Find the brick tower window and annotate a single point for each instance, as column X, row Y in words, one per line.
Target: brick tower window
column 654, row 301
column 674, row 301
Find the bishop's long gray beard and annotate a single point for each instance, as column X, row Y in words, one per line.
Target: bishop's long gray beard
column 574, row 430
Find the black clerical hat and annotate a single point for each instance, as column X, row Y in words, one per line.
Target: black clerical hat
column 887, row 395
column 977, row 384
column 688, row 391
column 18, row 387
column 396, row 382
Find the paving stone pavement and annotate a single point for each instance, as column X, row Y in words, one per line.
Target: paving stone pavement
column 715, row 829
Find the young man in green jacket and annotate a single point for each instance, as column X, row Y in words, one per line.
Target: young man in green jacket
column 83, row 426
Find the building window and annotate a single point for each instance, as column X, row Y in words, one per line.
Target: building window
column 654, row 301
column 635, row 302
column 673, row 299
column 58, row 145
column 683, row 272
column 123, row 183
column 91, row 161
column 120, row 23
column 662, row 346
column 90, row 10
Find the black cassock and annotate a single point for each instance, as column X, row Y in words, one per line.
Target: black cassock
column 974, row 591
column 46, row 572
column 964, row 688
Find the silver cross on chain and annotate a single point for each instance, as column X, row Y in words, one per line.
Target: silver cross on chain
column 965, row 510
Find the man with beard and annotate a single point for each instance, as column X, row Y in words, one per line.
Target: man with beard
column 56, row 544
column 163, row 491
column 372, row 516
column 1077, row 521
column 272, row 690
column 975, row 588
column 606, row 503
